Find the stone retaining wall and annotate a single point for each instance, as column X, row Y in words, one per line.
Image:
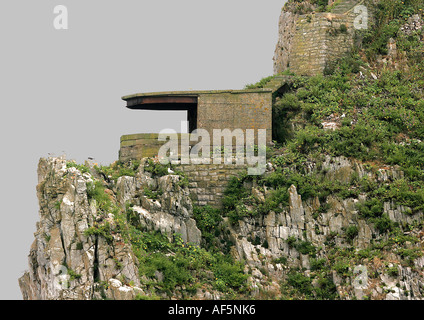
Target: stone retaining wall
column 207, row 182
column 320, row 39
column 308, row 43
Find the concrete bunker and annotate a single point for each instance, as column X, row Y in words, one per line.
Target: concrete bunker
column 209, row 110
column 165, row 103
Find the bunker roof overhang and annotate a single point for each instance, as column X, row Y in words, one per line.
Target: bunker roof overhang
column 175, row 100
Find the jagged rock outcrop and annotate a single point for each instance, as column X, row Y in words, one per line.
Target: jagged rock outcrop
column 67, row 262
column 286, row 30
column 263, row 240
column 170, row 214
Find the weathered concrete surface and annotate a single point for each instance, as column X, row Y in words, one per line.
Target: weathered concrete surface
column 224, row 109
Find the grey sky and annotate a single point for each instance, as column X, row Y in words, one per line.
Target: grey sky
column 61, row 89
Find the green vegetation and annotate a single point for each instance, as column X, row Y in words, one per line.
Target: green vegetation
column 152, row 194
column 393, row 271
column 183, row 182
column 184, row 267
column 304, row 7
column 389, row 17
column 82, row 168
column 118, row 169
column 73, row 275
column 57, row 205
column 156, row 168
column 47, row 237
column 208, row 221
column 233, row 194
column 321, row 4
column 97, row 191
column 260, row 84
column 111, row 172
column 303, row 246
column 264, row 81
column 103, row 230
column 300, row 286
column 351, row 232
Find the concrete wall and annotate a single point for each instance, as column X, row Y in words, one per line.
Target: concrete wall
column 244, row 110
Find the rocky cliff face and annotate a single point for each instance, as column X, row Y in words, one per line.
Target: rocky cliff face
column 81, row 250
column 277, row 243
column 71, row 257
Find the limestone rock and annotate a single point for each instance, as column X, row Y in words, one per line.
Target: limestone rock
column 297, row 213
column 65, row 262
